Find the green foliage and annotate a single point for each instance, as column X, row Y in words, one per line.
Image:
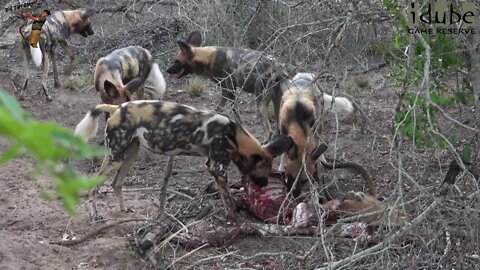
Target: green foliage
column 48, row 144
column 412, row 119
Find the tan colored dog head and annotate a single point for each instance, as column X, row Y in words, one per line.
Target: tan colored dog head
column 78, row 21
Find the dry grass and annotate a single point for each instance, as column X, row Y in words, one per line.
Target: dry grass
column 79, row 81
column 195, row 87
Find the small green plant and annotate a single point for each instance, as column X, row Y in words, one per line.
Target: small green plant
column 49, row 144
column 195, row 87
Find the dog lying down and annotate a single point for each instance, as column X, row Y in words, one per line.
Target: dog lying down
column 271, row 205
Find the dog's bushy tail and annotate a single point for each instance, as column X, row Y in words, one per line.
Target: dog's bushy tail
column 87, row 128
column 339, row 104
column 36, row 55
column 158, row 81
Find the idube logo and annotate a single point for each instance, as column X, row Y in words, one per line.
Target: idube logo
column 444, row 15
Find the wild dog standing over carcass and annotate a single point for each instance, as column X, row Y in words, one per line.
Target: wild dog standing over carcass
column 125, row 71
column 301, row 105
column 169, row 128
column 56, row 30
column 252, row 71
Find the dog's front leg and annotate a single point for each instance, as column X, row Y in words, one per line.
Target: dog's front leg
column 220, row 175
column 123, row 167
column 104, row 171
column 163, row 191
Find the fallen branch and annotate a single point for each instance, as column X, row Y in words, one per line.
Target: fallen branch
column 94, row 232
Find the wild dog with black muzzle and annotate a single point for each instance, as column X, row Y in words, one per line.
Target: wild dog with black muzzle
column 125, row 71
column 301, row 106
column 169, row 128
column 252, row 71
column 56, row 30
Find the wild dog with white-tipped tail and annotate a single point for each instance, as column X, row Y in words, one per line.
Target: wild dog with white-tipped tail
column 169, row 128
column 56, row 30
column 301, row 106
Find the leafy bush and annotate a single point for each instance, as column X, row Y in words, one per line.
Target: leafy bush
column 49, row 144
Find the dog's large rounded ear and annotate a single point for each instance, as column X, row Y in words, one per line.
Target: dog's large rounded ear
column 186, row 49
column 88, row 12
column 134, row 85
column 318, row 151
column 110, row 89
column 195, row 39
column 279, row 145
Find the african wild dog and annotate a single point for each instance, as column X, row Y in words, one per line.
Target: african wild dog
column 56, row 30
column 124, row 71
column 301, row 106
column 252, row 71
column 169, row 128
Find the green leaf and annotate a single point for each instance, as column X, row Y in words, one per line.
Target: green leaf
column 435, row 98
column 467, row 154
column 11, row 105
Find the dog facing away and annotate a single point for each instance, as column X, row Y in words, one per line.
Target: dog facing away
column 125, row 71
column 301, row 105
column 252, row 71
column 56, row 30
column 169, row 128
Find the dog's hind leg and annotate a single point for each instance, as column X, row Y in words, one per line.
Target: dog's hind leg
column 163, row 191
column 45, row 73
column 56, row 81
column 26, row 71
column 130, row 157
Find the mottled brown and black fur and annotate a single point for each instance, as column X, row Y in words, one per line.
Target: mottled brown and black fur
column 169, row 128
column 56, row 30
column 252, row 71
column 125, row 71
column 302, row 105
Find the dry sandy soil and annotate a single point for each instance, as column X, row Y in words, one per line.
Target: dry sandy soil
column 28, row 222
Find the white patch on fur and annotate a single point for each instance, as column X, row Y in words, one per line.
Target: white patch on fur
column 304, row 76
column 340, row 104
column 176, row 117
column 215, row 118
column 140, row 134
column 138, row 102
column 36, row 55
column 156, row 77
column 87, row 128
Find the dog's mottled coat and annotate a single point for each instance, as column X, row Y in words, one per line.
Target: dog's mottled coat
column 169, row 128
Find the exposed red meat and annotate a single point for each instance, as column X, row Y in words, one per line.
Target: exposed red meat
column 268, row 203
